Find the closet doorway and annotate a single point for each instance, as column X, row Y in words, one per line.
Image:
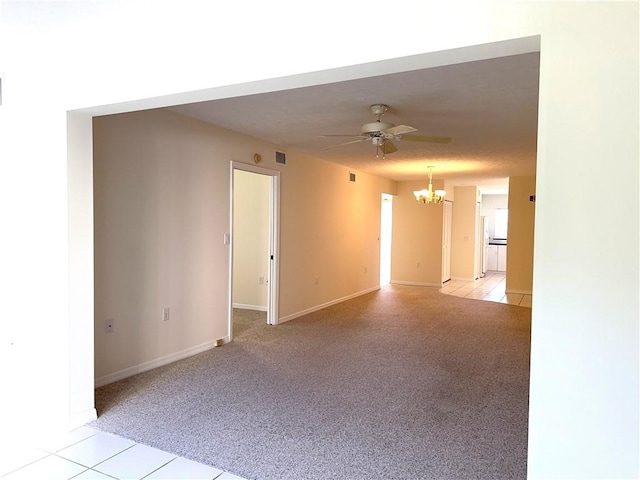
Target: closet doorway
column 254, row 244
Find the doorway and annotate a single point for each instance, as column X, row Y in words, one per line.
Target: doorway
column 386, row 221
column 446, row 240
column 254, row 245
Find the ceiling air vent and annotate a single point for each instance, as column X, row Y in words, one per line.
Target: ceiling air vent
column 281, row 158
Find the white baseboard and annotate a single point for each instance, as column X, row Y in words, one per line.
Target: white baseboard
column 325, row 305
column 416, row 284
column 158, row 362
column 520, row 292
column 464, row 279
column 244, row 306
column 79, row 419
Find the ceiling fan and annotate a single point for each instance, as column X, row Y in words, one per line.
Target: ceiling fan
column 381, row 134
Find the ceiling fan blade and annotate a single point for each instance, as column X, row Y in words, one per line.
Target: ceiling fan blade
column 400, row 130
column 426, row 138
column 388, row 147
column 346, row 143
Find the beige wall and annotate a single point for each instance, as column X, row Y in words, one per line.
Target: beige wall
column 162, row 186
column 161, row 189
column 416, row 247
column 329, row 231
column 520, row 234
column 463, row 234
column 250, row 236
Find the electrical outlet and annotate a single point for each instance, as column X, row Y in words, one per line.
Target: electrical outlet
column 108, row 325
column 165, row 314
column 261, row 280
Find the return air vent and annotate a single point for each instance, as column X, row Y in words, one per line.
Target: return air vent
column 281, row 158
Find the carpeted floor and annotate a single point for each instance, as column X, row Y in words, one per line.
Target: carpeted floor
column 402, row 383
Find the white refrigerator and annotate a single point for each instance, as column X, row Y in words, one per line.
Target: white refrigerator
column 484, row 247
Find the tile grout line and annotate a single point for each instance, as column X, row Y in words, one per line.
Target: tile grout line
column 161, row 466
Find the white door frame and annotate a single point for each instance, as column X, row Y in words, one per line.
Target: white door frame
column 274, row 244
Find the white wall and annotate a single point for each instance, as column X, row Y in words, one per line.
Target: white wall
column 583, row 420
column 584, row 362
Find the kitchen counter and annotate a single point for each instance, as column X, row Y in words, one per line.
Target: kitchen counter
column 497, row 255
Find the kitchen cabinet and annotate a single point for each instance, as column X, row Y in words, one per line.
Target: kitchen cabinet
column 492, row 257
column 497, row 258
column 502, row 258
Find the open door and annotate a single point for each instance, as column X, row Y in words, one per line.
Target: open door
column 446, row 241
column 386, row 213
column 254, row 241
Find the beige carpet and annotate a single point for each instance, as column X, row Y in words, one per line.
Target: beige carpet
column 403, row 383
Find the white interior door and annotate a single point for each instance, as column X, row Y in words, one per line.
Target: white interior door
column 479, row 242
column 446, row 241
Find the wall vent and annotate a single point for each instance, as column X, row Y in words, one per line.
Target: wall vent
column 352, row 177
column 281, row 158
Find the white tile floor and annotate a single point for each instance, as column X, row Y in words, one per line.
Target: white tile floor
column 86, row 453
column 491, row 288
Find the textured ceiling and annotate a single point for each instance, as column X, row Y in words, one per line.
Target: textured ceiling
column 488, row 107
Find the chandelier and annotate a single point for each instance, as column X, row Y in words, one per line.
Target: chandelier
column 429, row 195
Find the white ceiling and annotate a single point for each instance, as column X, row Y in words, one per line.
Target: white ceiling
column 488, row 107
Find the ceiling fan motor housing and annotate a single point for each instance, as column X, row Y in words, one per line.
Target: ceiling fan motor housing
column 379, row 109
column 375, row 127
